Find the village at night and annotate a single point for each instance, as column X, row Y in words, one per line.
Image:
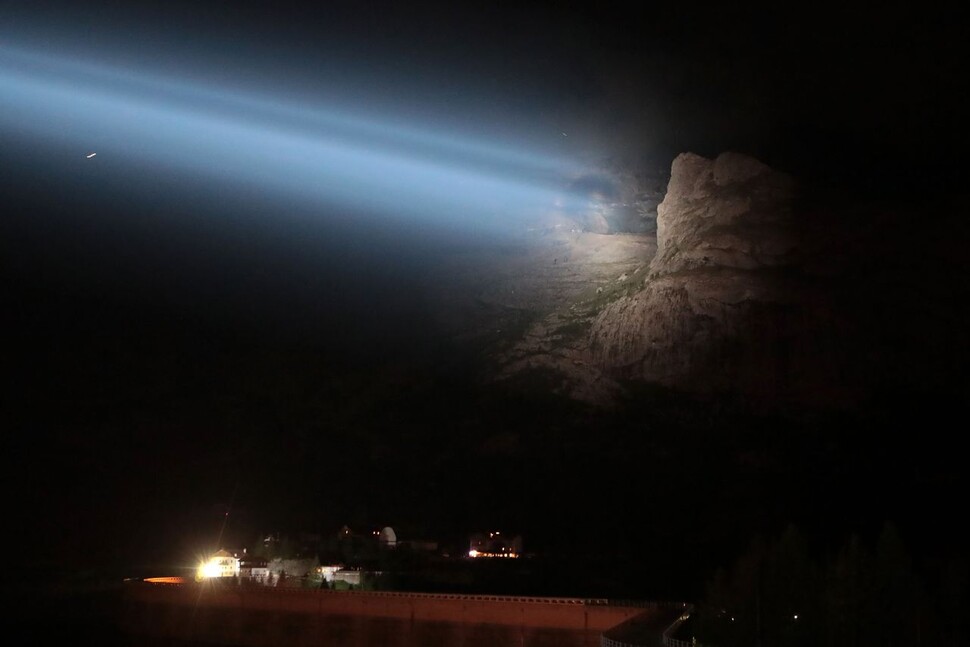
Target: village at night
column 466, row 324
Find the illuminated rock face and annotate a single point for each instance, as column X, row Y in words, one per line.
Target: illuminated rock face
column 723, row 306
column 734, row 212
column 745, row 288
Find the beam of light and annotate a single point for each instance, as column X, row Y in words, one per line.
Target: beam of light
column 318, row 156
column 388, row 131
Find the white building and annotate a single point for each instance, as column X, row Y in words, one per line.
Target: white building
column 254, row 568
column 221, row 564
column 328, row 572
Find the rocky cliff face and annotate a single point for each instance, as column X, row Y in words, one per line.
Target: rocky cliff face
column 725, row 305
column 746, row 287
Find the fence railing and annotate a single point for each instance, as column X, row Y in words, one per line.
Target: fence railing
column 670, row 641
column 285, row 590
column 609, row 642
column 667, row 635
column 673, row 642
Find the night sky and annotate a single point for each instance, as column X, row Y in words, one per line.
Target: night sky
column 189, row 329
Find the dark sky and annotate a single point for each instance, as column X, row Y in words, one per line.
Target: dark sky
column 170, row 341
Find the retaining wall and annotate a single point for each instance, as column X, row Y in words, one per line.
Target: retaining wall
column 263, row 617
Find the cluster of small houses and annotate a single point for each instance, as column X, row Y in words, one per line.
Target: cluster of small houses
column 274, row 572
column 278, row 571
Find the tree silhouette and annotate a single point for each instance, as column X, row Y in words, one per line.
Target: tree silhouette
column 777, row 595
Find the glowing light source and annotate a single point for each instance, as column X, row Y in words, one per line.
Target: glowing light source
column 221, row 564
column 481, row 553
column 211, row 570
